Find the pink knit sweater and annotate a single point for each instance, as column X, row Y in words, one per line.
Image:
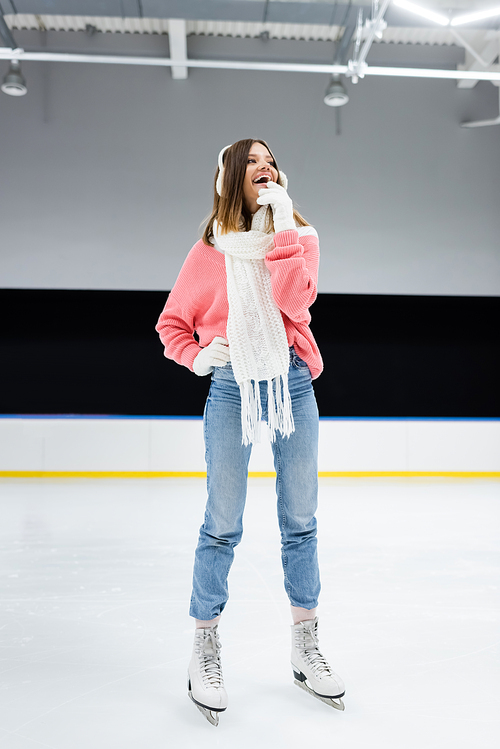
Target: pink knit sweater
column 198, row 301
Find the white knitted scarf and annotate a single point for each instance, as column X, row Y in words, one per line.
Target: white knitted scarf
column 257, row 338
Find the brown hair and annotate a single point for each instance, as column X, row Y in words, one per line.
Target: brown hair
column 229, row 209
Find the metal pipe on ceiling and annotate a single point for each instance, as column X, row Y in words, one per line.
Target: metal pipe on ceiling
column 280, row 67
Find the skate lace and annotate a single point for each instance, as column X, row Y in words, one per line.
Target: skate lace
column 307, row 643
column 208, row 649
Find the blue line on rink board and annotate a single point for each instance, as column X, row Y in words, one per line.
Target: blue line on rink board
column 97, row 416
column 199, row 418
column 409, row 418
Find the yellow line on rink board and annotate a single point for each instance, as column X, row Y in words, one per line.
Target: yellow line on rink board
column 102, row 474
column 411, row 474
column 251, row 474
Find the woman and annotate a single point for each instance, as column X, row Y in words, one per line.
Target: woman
column 246, row 288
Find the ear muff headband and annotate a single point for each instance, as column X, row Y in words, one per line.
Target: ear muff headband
column 282, row 178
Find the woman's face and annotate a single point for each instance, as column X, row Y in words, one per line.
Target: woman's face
column 260, row 171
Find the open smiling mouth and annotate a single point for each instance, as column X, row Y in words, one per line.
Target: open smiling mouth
column 263, row 179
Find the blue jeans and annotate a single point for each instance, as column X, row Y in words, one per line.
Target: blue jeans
column 296, row 464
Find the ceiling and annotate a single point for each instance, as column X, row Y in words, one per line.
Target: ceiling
column 283, row 19
column 308, row 20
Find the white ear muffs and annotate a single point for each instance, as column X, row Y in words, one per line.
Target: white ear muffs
column 218, row 184
column 282, row 178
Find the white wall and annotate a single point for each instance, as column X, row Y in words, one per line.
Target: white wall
column 159, row 445
column 106, row 171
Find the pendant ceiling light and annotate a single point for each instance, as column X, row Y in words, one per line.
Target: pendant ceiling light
column 336, row 94
column 14, row 83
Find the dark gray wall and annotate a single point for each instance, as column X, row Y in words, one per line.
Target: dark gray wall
column 106, row 171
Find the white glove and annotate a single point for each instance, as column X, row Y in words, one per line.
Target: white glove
column 279, row 200
column 216, row 354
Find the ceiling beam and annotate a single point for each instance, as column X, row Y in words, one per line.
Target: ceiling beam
column 178, row 46
column 488, row 53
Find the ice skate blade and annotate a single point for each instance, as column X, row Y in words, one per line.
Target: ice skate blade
column 334, row 702
column 211, row 715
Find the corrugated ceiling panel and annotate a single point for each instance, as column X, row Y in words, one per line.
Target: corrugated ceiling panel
column 393, row 35
column 106, row 24
column 400, row 35
column 275, row 30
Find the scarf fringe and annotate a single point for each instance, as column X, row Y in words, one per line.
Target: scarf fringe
column 279, row 409
column 251, row 411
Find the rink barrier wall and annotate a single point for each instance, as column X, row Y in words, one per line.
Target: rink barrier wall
column 384, row 355
column 251, row 474
column 71, row 446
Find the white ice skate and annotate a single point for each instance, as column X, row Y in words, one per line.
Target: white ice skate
column 311, row 671
column 205, row 681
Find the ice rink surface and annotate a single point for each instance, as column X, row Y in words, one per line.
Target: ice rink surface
column 95, row 635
